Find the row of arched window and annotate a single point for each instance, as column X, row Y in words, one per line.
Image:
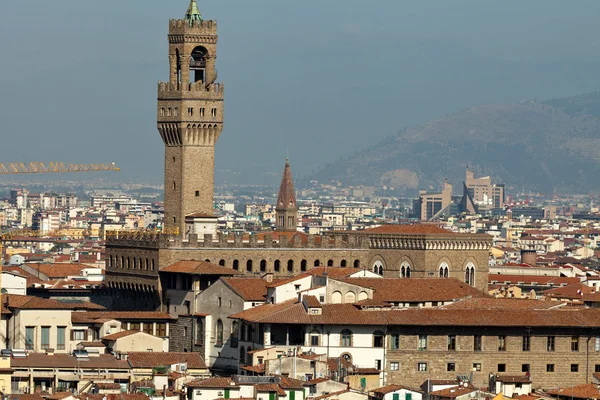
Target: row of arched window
column 277, row 265
column 443, row 270
column 131, row 263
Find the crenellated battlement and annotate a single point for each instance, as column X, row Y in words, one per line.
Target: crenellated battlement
column 235, row 241
column 184, row 27
column 197, row 90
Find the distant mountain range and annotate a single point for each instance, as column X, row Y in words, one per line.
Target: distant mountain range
column 546, row 146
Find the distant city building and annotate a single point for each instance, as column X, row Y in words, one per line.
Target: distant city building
column 485, row 194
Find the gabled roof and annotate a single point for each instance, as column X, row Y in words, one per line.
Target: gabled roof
column 587, row 391
column 491, row 303
column 292, row 312
column 121, row 334
column 214, row 382
column 151, row 360
column 249, row 289
column 42, row 360
column 194, row 267
column 416, row 289
column 575, row 291
column 53, row 271
column 102, row 316
column 14, row 301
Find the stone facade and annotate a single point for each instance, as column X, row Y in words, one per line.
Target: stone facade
column 388, row 254
column 481, row 364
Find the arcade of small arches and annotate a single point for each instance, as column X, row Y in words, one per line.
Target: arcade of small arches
column 284, row 266
column 138, row 287
column 139, row 263
column 350, row 297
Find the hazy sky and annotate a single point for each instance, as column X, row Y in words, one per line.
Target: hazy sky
column 322, row 78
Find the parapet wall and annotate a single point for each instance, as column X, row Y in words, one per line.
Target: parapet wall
column 184, row 27
column 162, row 241
column 196, row 91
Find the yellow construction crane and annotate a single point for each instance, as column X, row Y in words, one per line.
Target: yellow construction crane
column 53, row 167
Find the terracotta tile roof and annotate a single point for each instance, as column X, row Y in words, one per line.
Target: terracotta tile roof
column 269, row 387
column 587, row 391
column 366, row 371
column 513, row 378
column 372, row 303
column 249, row 289
column 199, row 268
column 92, row 344
column 290, row 383
column 151, row 360
column 257, row 369
column 59, row 396
column 502, row 304
column 42, row 360
column 20, row 302
column 575, row 291
column 591, row 297
column 31, row 279
column 419, row 229
column 24, row 397
column 416, row 289
column 315, row 381
column 453, row 392
column 529, row 279
column 214, row 382
column 292, row 312
column 311, row 301
column 95, row 316
column 107, row 385
column 59, row 270
column 386, row 389
column 332, row 394
column 119, row 335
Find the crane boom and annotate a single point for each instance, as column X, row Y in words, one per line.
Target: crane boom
column 52, row 167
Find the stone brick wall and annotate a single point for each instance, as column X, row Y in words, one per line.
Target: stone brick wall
column 183, row 336
column 437, row 356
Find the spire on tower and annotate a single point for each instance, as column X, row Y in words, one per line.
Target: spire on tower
column 286, row 210
column 287, row 195
column 193, row 13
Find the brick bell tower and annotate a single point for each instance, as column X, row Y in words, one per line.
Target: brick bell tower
column 190, row 118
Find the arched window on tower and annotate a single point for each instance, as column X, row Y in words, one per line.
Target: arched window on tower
column 236, row 264
column 470, row 274
column 249, row 265
column 444, row 270
column 290, row 266
column 263, row 265
column 198, row 64
column 405, row 269
column 378, row 267
column 277, row 266
column 303, row 265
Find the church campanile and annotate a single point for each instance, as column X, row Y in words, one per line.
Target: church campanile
column 190, row 118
